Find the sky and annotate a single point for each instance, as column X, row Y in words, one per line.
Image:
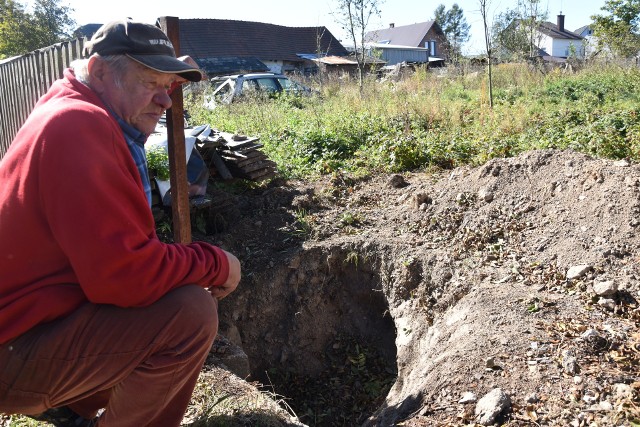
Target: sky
column 305, row 13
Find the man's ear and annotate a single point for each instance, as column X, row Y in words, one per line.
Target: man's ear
column 97, row 71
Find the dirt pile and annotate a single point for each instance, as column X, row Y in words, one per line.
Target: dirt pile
column 414, row 297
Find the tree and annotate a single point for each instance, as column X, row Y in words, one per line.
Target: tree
column 22, row 32
column 516, row 31
column 455, row 28
column 15, row 25
column 53, row 22
column 531, row 16
column 487, row 40
column 618, row 31
column 508, row 38
column 353, row 16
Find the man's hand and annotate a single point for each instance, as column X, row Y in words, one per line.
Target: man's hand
column 232, row 281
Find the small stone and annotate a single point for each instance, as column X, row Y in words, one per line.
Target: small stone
column 420, row 199
column 578, row 271
column 605, row 405
column 397, row 181
column 468, row 397
column 485, row 195
column 621, row 391
column 569, row 362
column 490, row 363
column 491, row 406
column 621, row 163
column 607, row 303
column 589, row 333
column 605, row 289
column 532, row 398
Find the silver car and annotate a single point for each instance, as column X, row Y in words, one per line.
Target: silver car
column 231, row 88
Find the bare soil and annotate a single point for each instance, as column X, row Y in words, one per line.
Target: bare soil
column 411, row 297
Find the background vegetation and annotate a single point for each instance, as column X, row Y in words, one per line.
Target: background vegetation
column 430, row 120
column 27, row 26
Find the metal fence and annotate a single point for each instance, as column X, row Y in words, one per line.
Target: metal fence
column 24, row 79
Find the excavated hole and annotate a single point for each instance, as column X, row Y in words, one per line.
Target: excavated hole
column 321, row 337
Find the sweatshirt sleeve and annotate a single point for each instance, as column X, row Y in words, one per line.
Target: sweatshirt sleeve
column 95, row 207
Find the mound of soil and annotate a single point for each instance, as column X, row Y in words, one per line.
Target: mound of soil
column 504, row 293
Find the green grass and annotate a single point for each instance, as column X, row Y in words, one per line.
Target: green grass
column 441, row 121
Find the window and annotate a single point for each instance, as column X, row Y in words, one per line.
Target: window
column 224, row 93
column 249, row 88
column 268, row 84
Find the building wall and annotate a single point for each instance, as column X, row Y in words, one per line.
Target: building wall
column 561, row 47
column 396, row 56
column 439, row 39
column 289, row 67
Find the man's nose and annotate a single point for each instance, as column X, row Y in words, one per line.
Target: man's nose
column 163, row 99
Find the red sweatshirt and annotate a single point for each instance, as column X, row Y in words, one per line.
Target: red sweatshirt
column 75, row 225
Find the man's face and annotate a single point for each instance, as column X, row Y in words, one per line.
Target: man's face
column 140, row 97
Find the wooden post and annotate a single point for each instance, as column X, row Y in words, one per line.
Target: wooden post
column 176, row 145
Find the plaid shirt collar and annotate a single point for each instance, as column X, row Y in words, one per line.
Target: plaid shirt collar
column 135, row 140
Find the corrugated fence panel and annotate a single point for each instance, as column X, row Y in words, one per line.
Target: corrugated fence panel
column 24, row 79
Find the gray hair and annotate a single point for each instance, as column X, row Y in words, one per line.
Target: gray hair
column 119, row 64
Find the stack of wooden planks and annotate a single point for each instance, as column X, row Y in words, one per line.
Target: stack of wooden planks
column 231, row 155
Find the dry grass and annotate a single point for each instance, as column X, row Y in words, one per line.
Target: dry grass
column 220, row 399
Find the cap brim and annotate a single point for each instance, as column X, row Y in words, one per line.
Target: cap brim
column 168, row 64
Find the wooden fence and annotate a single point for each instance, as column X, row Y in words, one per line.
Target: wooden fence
column 24, row 79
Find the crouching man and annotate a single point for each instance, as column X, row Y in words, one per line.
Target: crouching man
column 97, row 315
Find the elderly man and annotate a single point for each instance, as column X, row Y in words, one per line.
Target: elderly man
column 97, row 315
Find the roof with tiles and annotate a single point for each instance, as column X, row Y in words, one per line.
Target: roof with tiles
column 404, row 35
column 206, row 38
column 553, row 31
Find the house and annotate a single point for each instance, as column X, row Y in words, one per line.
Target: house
column 556, row 42
column 590, row 41
column 408, row 43
column 282, row 49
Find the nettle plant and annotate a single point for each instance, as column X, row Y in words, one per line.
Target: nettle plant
column 158, row 162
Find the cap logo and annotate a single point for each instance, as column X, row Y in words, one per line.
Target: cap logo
column 161, row 41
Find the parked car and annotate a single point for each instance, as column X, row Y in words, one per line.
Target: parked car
column 228, row 89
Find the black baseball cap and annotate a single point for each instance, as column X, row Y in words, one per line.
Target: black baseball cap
column 144, row 43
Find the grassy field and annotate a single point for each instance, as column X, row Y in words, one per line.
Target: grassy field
column 435, row 119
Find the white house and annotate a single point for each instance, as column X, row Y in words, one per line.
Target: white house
column 590, row 41
column 558, row 42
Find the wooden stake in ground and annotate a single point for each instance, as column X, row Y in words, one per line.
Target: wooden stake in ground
column 176, row 146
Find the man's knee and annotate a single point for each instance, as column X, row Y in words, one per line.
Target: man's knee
column 193, row 311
